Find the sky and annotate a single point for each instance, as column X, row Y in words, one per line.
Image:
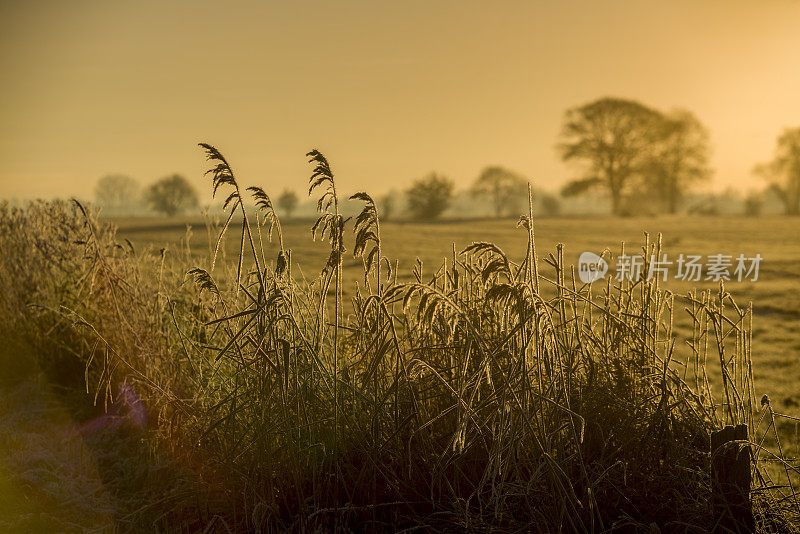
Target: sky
column 389, row 91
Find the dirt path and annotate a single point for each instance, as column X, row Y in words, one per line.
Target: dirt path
column 49, row 481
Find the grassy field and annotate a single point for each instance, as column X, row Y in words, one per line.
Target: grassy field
column 775, row 296
column 474, row 391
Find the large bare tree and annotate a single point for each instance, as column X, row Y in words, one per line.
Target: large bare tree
column 612, row 142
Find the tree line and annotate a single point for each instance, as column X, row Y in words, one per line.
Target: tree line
column 171, row 195
column 638, row 155
column 426, row 199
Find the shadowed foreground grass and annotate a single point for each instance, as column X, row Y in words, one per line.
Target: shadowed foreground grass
column 481, row 393
column 775, row 296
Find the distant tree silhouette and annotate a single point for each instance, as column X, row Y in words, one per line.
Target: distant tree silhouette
column 680, row 158
column 547, row 203
column 428, row 197
column 753, row 203
column 504, row 188
column 783, row 172
column 171, row 195
column 387, row 204
column 612, row 141
column 117, row 192
column 288, row 202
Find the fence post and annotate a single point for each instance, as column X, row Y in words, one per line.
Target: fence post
column 730, row 480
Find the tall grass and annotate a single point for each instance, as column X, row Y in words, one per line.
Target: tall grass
column 485, row 394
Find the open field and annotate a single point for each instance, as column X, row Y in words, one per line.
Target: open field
column 553, row 285
column 775, row 296
column 487, row 395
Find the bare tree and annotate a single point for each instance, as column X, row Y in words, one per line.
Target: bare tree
column 428, row 197
column 171, row 195
column 117, row 192
column 680, row 158
column 503, row 187
column 611, row 140
column 546, row 203
column 753, row 203
column 288, row 202
column 783, row 172
column 387, row 205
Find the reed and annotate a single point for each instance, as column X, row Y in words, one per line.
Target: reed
column 485, row 394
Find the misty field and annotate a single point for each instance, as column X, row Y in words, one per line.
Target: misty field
column 553, row 285
column 775, row 296
column 189, row 374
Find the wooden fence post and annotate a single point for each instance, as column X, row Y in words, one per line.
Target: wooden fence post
column 730, row 480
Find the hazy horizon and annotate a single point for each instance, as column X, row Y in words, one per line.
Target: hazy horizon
column 388, row 91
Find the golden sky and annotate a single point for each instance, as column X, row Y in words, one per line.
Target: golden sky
column 387, row 90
